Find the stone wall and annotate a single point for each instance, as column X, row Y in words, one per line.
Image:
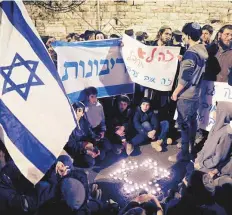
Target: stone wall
column 116, row 16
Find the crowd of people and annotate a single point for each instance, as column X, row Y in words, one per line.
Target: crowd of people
column 123, row 123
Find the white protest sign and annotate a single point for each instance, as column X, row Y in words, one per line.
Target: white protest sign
column 92, row 63
column 150, row 66
column 211, row 92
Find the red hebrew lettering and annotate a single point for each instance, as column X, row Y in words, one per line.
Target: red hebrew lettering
column 161, row 56
column 149, row 59
column 171, row 56
column 141, row 53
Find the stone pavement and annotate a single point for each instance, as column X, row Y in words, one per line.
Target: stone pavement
column 112, row 189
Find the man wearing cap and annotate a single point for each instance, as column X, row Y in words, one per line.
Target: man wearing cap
column 140, row 36
column 130, row 32
column 187, row 92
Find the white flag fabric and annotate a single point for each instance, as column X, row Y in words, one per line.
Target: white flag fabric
column 92, row 63
column 36, row 118
column 150, row 66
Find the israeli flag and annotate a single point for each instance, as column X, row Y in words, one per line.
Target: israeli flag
column 36, row 118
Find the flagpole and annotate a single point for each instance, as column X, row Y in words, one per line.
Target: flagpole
column 98, row 14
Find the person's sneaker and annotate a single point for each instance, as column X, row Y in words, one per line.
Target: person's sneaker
column 169, row 141
column 179, row 157
column 129, row 148
column 156, row 145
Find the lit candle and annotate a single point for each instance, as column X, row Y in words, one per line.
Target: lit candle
column 153, row 192
column 157, row 185
column 129, row 162
column 132, row 189
column 149, row 160
column 150, row 183
column 115, row 178
column 111, row 175
column 158, row 189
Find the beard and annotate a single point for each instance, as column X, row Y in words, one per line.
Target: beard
column 225, row 46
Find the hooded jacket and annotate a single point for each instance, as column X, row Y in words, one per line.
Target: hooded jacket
column 119, row 118
column 18, row 195
column 140, row 117
column 192, row 68
column 79, row 136
column 218, row 145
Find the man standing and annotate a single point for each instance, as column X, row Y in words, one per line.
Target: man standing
column 207, row 31
column 220, row 56
column 160, row 98
column 187, row 91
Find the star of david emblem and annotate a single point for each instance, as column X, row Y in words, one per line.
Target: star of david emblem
column 27, row 66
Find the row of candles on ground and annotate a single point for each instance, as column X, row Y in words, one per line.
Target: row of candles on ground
column 131, row 166
column 129, row 188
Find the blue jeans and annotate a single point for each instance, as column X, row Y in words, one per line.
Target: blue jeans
column 187, row 120
column 141, row 138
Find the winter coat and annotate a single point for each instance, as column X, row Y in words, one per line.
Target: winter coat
column 78, row 138
column 218, row 145
column 140, row 117
column 192, row 68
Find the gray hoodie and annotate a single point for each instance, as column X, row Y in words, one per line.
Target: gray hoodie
column 218, row 145
column 192, row 68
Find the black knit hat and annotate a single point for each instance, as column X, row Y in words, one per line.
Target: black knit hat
column 77, row 105
column 124, row 98
column 193, row 30
column 146, row 100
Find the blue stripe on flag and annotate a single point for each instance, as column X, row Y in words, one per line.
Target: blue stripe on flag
column 24, row 140
column 89, row 44
column 104, row 92
column 16, row 18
